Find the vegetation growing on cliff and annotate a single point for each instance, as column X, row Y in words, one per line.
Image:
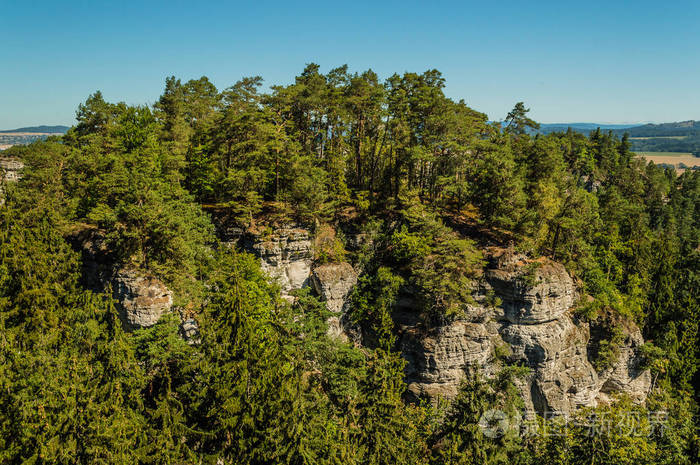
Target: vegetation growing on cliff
column 428, row 178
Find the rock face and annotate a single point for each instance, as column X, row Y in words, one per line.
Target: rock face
column 142, row 299
column 10, row 171
column 544, row 294
column 626, row 373
column 532, row 326
column 285, row 255
column 333, row 282
column 522, row 315
column 562, row 378
column 285, row 251
column 189, row 330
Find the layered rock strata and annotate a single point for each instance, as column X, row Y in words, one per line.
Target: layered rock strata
column 141, row 299
column 522, row 314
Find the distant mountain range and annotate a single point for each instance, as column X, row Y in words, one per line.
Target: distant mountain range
column 682, row 128
column 547, row 128
column 23, row 136
column 40, row 129
column 681, row 137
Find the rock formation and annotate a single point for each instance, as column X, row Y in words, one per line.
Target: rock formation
column 333, row 282
column 533, row 326
column 141, row 299
column 286, row 256
column 189, row 330
column 522, row 314
column 10, row 171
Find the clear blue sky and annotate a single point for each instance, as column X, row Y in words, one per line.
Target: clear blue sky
column 595, row 61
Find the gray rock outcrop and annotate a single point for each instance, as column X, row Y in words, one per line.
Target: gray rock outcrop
column 535, row 293
column 10, row 171
column 626, row 373
column 522, row 314
column 533, row 326
column 334, row 282
column 141, row 299
column 286, row 256
column 189, row 330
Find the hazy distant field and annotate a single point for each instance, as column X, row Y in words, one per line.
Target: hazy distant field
column 660, row 137
column 671, row 158
column 8, row 139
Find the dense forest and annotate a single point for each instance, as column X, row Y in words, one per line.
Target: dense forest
column 681, row 137
column 28, row 135
column 667, row 137
column 683, row 144
column 680, row 129
column 429, row 180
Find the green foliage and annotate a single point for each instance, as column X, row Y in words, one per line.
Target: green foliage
column 440, row 264
column 622, row 433
column 406, row 246
column 70, row 381
column 587, row 310
column 517, row 121
column 530, row 276
column 607, row 347
column 119, row 177
column 373, row 300
column 460, row 437
column 327, row 246
column 427, row 180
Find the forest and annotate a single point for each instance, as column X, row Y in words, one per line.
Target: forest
column 431, row 182
column 681, row 137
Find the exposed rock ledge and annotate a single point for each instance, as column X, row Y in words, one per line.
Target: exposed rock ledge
column 334, row 282
column 142, row 299
column 285, row 255
column 10, row 171
column 533, row 325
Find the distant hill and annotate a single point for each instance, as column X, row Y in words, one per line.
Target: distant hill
column 680, row 129
column 40, row 129
column 546, row 128
column 23, row 136
column 584, row 128
column 679, row 137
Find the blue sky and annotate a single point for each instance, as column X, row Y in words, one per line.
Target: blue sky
column 612, row 61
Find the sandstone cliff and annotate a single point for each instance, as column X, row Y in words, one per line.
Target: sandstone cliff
column 141, row 299
column 10, row 171
column 285, row 255
column 333, row 282
column 532, row 324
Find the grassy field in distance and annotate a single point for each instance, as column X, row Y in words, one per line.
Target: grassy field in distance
column 671, row 158
column 659, row 137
